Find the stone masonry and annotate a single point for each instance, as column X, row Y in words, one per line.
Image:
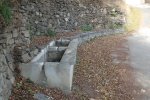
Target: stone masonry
column 69, row 15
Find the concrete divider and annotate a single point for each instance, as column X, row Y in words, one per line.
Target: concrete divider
column 56, row 74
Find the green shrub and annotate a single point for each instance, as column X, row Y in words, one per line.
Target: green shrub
column 51, row 32
column 115, row 26
column 5, row 11
column 87, row 27
column 114, row 14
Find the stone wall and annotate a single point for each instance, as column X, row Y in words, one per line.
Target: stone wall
column 68, row 15
column 35, row 17
column 14, row 48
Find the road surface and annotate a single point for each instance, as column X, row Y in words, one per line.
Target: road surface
column 139, row 53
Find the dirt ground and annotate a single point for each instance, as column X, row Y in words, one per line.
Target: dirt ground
column 102, row 72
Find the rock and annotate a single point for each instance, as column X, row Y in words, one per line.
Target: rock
column 10, row 76
column 3, row 36
column 40, row 96
column 66, row 19
column 26, row 57
column 22, row 28
column 50, row 25
column 10, row 64
column 3, row 68
column 37, row 13
column 143, row 91
column 10, row 41
column 3, row 41
column 9, row 57
column 57, row 16
column 3, row 59
column 26, row 33
column 36, row 51
column 27, row 40
column 36, row 22
column 40, row 14
column 76, row 23
column 9, row 36
column 1, row 47
column 15, row 33
column 5, row 87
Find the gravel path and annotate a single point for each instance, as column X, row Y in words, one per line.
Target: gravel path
column 102, row 73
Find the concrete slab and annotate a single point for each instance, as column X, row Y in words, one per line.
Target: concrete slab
column 66, row 76
column 57, row 48
column 70, row 54
column 51, row 71
column 32, row 71
column 59, row 75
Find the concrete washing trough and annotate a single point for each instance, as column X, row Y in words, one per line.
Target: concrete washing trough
column 53, row 66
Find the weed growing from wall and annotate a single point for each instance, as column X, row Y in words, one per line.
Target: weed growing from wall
column 5, row 11
column 51, row 32
column 86, row 27
column 115, row 25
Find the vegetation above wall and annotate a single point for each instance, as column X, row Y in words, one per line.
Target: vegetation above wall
column 133, row 19
column 5, row 11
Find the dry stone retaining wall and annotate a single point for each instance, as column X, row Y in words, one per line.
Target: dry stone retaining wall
column 68, row 15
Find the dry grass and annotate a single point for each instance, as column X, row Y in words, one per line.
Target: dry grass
column 133, row 19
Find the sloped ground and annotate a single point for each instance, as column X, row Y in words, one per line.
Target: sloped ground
column 102, row 73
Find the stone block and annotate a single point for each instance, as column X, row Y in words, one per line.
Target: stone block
column 9, row 36
column 10, row 76
column 10, row 64
column 3, row 68
column 22, row 28
column 26, row 33
column 36, row 51
column 2, row 41
column 15, row 33
column 3, row 36
column 1, row 47
column 9, row 57
column 10, row 41
column 27, row 40
column 3, row 59
column 26, row 57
